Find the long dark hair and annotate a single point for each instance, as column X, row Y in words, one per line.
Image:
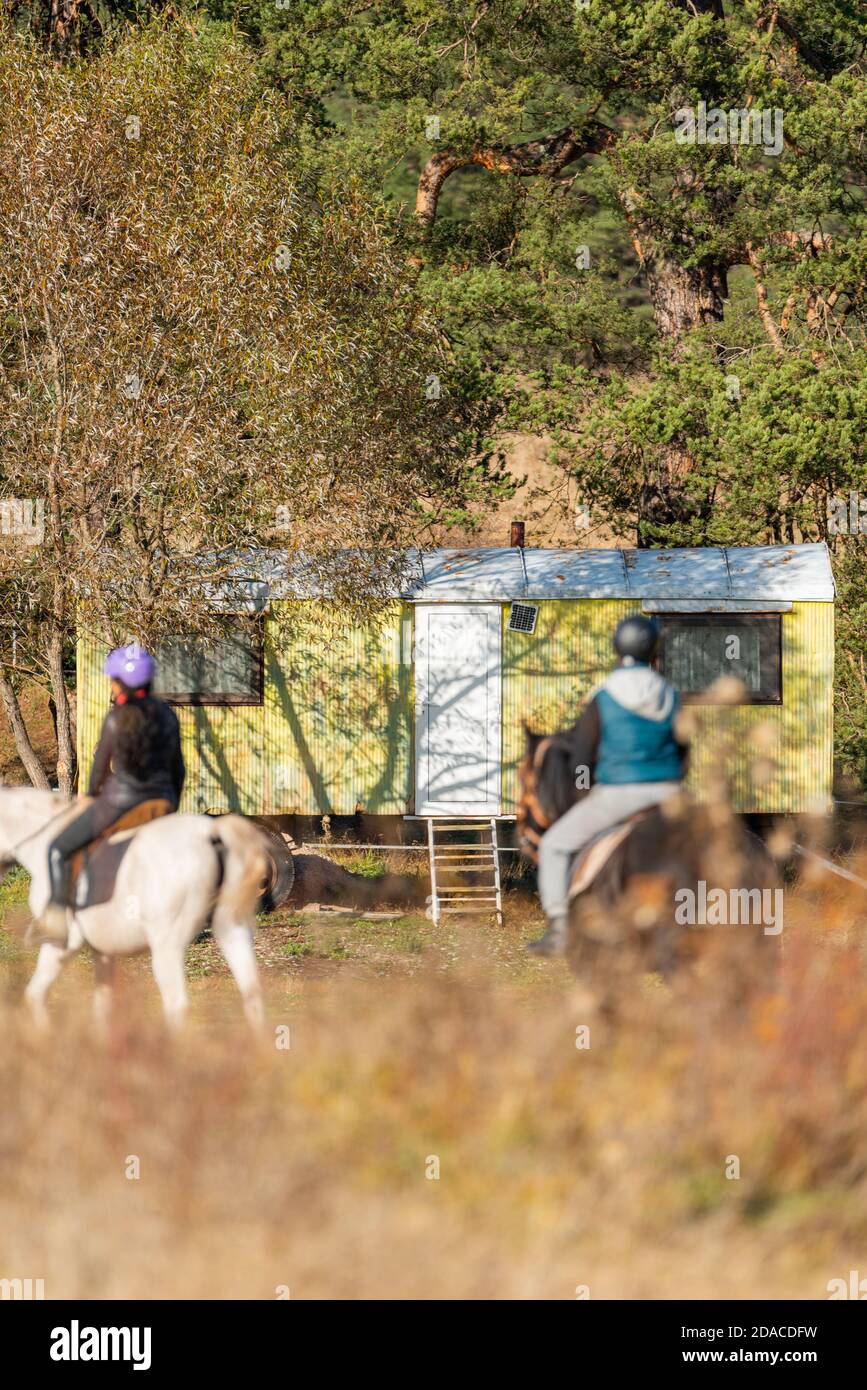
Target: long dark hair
column 138, row 729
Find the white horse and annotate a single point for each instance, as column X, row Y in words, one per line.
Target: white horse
column 180, row 872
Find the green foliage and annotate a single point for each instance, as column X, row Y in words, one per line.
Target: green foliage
column 707, row 262
column 14, row 887
column 634, row 405
column 159, row 230
column 367, row 863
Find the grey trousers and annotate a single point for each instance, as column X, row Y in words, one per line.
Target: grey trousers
column 604, row 806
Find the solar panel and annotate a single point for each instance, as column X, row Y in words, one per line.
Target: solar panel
column 522, row 617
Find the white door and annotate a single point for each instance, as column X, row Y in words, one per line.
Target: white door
column 457, row 704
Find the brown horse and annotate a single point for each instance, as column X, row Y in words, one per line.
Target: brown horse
column 670, row 864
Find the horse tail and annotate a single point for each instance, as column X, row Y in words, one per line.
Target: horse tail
column 244, row 867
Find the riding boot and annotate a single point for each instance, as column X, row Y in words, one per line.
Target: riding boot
column 54, row 919
column 555, row 940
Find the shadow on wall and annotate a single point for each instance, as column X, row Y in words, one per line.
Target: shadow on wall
column 339, row 728
column 774, row 758
column 332, row 737
column 216, row 785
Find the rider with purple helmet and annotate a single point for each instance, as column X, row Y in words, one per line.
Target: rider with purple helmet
column 138, row 758
column 132, row 666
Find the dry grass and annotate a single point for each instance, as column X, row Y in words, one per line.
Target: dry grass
column 559, row 1167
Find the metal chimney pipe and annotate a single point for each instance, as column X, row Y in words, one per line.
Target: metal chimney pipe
column 516, row 535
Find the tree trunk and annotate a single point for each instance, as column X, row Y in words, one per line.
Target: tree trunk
column 24, row 748
column 684, row 299
column 65, row 738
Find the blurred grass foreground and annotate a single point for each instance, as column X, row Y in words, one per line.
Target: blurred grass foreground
column 436, row 1116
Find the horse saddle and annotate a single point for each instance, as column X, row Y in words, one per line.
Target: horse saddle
column 595, row 855
column 93, row 870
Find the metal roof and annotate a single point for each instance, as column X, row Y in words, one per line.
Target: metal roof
column 777, row 572
column 715, row 575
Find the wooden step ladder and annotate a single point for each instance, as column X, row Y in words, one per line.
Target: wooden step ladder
column 478, row 857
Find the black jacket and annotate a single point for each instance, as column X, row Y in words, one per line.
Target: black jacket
column 114, row 782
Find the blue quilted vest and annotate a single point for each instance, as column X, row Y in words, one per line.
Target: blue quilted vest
column 635, row 749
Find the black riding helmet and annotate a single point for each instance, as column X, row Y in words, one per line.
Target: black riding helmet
column 637, row 637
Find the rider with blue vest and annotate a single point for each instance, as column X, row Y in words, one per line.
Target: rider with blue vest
column 626, row 739
column 138, row 758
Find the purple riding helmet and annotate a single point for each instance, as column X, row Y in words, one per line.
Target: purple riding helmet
column 132, row 665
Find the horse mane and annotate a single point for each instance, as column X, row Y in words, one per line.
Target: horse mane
column 555, row 778
column 547, row 778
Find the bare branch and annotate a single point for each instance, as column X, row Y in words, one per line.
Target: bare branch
column 545, row 157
